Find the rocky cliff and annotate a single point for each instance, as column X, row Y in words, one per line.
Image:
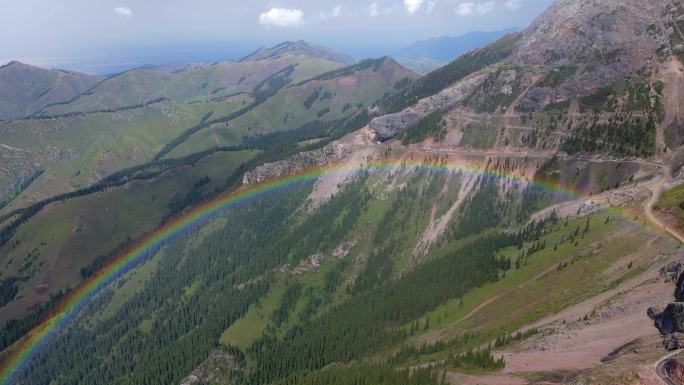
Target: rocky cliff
column 581, row 66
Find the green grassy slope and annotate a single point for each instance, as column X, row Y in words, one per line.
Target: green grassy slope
column 77, row 151
column 672, row 203
column 25, row 89
column 213, row 81
column 331, row 96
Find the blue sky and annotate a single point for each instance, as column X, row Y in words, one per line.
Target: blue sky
column 52, row 33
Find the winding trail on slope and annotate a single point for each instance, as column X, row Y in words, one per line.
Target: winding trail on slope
column 662, row 372
column 496, row 297
column 656, row 194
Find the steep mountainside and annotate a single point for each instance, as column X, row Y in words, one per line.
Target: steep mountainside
column 25, row 89
column 604, row 89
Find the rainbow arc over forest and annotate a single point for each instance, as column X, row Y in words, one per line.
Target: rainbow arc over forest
column 69, row 307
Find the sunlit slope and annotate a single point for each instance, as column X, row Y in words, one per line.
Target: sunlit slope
column 75, row 152
column 325, row 98
column 25, row 89
column 214, row 81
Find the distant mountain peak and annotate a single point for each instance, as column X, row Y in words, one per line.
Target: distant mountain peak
column 426, row 55
column 299, row 47
column 26, row 89
column 16, row 63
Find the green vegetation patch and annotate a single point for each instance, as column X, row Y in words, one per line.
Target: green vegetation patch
column 673, row 202
column 558, row 76
column 431, row 126
column 479, row 135
column 560, row 268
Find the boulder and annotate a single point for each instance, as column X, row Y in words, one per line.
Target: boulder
column 673, row 341
column 670, row 320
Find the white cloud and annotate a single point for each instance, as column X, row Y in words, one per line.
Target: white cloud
column 332, row 14
column 413, row 6
column 512, row 4
column 123, row 12
column 475, row 9
column 282, row 17
column 429, row 7
column 373, row 10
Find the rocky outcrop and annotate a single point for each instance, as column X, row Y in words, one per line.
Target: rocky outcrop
column 674, row 272
column 217, row 369
column 673, row 341
column 670, row 320
column 220, row 369
column 388, row 126
column 298, row 163
column 313, row 262
column 611, row 40
column 679, row 288
column 596, row 31
column 671, row 271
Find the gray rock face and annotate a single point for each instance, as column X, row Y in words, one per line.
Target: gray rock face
column 671, row 271
column 629, row 31
column 389, row 126
column 669, row 321
column 220, row 369
column 613, row 39
column 298, row 163
column 679, row 288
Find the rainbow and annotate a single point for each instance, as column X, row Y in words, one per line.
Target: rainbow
column 68, row 308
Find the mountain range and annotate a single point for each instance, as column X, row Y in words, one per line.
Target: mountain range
column 428, row 55
column 513, row 217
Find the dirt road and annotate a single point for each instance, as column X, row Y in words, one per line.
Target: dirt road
column 660, row 369
column 656, row 194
